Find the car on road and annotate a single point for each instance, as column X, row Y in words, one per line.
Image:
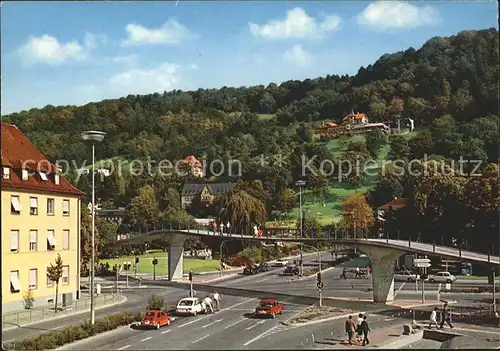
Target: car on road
column 442, row 277
column 280, row 263
column 251, row 269
column 155, row 319
column 291, row 270
column 189, row 306
column 263, row 267
column 269, row 307
column 406, row 276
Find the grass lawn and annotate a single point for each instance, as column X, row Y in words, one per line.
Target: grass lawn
column 265, row 115
column 145, row 263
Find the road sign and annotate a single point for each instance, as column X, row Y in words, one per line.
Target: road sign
column 422, row 265
column 421, row 260
column 320, row 285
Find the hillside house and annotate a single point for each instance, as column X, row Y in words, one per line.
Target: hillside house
column 355, row 118
column 393, row 205
column 207, row 192
column 191, row 165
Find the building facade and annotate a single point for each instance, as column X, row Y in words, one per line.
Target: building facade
column 40, row 219
column 207, row 192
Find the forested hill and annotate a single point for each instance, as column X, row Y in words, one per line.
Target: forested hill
column 456, row 75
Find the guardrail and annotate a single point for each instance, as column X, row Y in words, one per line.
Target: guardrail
column 37, row 314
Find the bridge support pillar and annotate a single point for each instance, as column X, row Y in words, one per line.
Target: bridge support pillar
column 382, row 260
column 176, row 257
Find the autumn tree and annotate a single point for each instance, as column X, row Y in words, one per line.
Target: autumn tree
column 54, row 274
column 357, row 215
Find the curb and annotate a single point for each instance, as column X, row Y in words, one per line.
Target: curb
column 218, row 279
column 120, row 301
column 106, row 333
column 402, row 342
column 319, row 320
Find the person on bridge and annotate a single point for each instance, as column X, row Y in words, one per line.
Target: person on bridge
column 216, row 298
column 445, row 317
column 350, row 327
column 207, row 303
column 433, row 319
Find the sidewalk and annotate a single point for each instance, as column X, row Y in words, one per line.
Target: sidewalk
column 377, row 339
column 13, row 320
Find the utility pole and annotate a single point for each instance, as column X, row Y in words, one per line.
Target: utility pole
column 494, row 293
column 300, row 184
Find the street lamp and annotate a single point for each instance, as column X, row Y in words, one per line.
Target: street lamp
column 319, row 264
column 94, row 136
column 220, row 253
column 301, row 184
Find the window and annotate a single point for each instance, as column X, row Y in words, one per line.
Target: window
column 25, row 174
column 33, row 240
column 15, row 283
column 14, row 240
column 33, row 278
column 6, row 173
column 15, row 205
column 65, row 275
column 65, row 239
column 51, row 240
column 43, row 176
column 33, row 206
column 49, row 281
column 56, row 179
column 50, row 207
column 65, row 207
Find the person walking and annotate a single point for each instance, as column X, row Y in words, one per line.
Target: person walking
column 433, row 318
column 359, row 321
column 207, row 302
column 343, row 275
column 358, row 275
column 216, row 298
column 445, row 317
column 350, row 327
column 365, row 327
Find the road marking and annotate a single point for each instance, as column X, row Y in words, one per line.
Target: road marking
column 224, row 309
column 260, row 336
column 124, row 347
column 261, row 280
column 399, row 289
column 217, row 321
column 233, row 324
column 256, row 324
column 145, row 339
column 166, row 331
column 200, row 339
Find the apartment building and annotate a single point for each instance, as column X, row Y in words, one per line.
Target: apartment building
column 40, row 219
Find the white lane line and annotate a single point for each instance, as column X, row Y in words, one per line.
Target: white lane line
column 200, row 339
column 256, row 324
column 123, row 348
column 217, row 321
column 166, row 331
column 224, row 309
column 260, row 336
column 146, row 339
column 261, row 280
column 399, row 289
column 233, row 324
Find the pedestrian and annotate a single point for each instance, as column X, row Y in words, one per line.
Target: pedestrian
column 350, row 327
column 366, row 329
column 228, row 226
column 433, row 319
column 358, row 275
column 359, row 321
column 445, row 317
column 343, row 275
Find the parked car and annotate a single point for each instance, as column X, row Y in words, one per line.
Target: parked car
column 155, row 319
column 251, row 269
column 291, row 270
column 406, row 276
column 442, row 277
column 269, row 307
column 263, row 267
column 280, row 263
column 189, row 305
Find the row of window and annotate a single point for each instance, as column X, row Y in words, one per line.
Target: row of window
column 16, row 207
column 33, row 243
column 16, row 285
column 25, row 175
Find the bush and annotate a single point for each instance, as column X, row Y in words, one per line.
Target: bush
column 155, row 302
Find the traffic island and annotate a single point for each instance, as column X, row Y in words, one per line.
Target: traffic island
column 318, row 314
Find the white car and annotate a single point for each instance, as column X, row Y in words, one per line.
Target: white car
column 406, row 276
column 189, row 305
column 442, row 277
column 280, row 263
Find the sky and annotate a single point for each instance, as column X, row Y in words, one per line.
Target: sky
column 73, row 53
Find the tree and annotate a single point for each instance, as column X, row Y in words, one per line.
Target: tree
column 143, row 209
column 310, row 226
column 352, row 168
column 399, row 148
column 86, row 235
column 356, row 214
column 421, row 144
column 54, row 274
column 318, row 183
column 375, row 141
column 387, row 188
column 285, row 200
column 242, row 211
column 106, row 230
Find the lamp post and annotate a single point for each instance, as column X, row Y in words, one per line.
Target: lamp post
column 301, row 184
column 220, row 253
column 93, row 136
column 319, row 264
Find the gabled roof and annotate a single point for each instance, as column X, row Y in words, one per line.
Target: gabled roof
column 395, row 204
column 355, row 116
column 17, row 152
column 191, row 160
column 216, row 189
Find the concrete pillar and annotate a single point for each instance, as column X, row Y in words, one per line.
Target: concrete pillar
column 382, row 260
column 176, row 257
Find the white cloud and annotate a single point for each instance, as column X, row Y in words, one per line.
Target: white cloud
column 297, row 24
column 298, row 56
column 172, row 32
column 397, row 14
column 48, row 49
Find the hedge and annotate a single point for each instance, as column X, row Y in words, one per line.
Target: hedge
column 53, row 340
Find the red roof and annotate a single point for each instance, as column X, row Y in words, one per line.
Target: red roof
column 355, row 115
column 395, row 204
column 191, row 160
column 17, row 152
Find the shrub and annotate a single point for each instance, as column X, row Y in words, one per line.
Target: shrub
column 28, row 299
column 155, row 302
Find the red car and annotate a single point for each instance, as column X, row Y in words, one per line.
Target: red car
column 269, row 307
column 155, row 319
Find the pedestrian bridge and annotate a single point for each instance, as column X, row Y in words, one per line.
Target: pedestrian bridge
column 382, row 252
